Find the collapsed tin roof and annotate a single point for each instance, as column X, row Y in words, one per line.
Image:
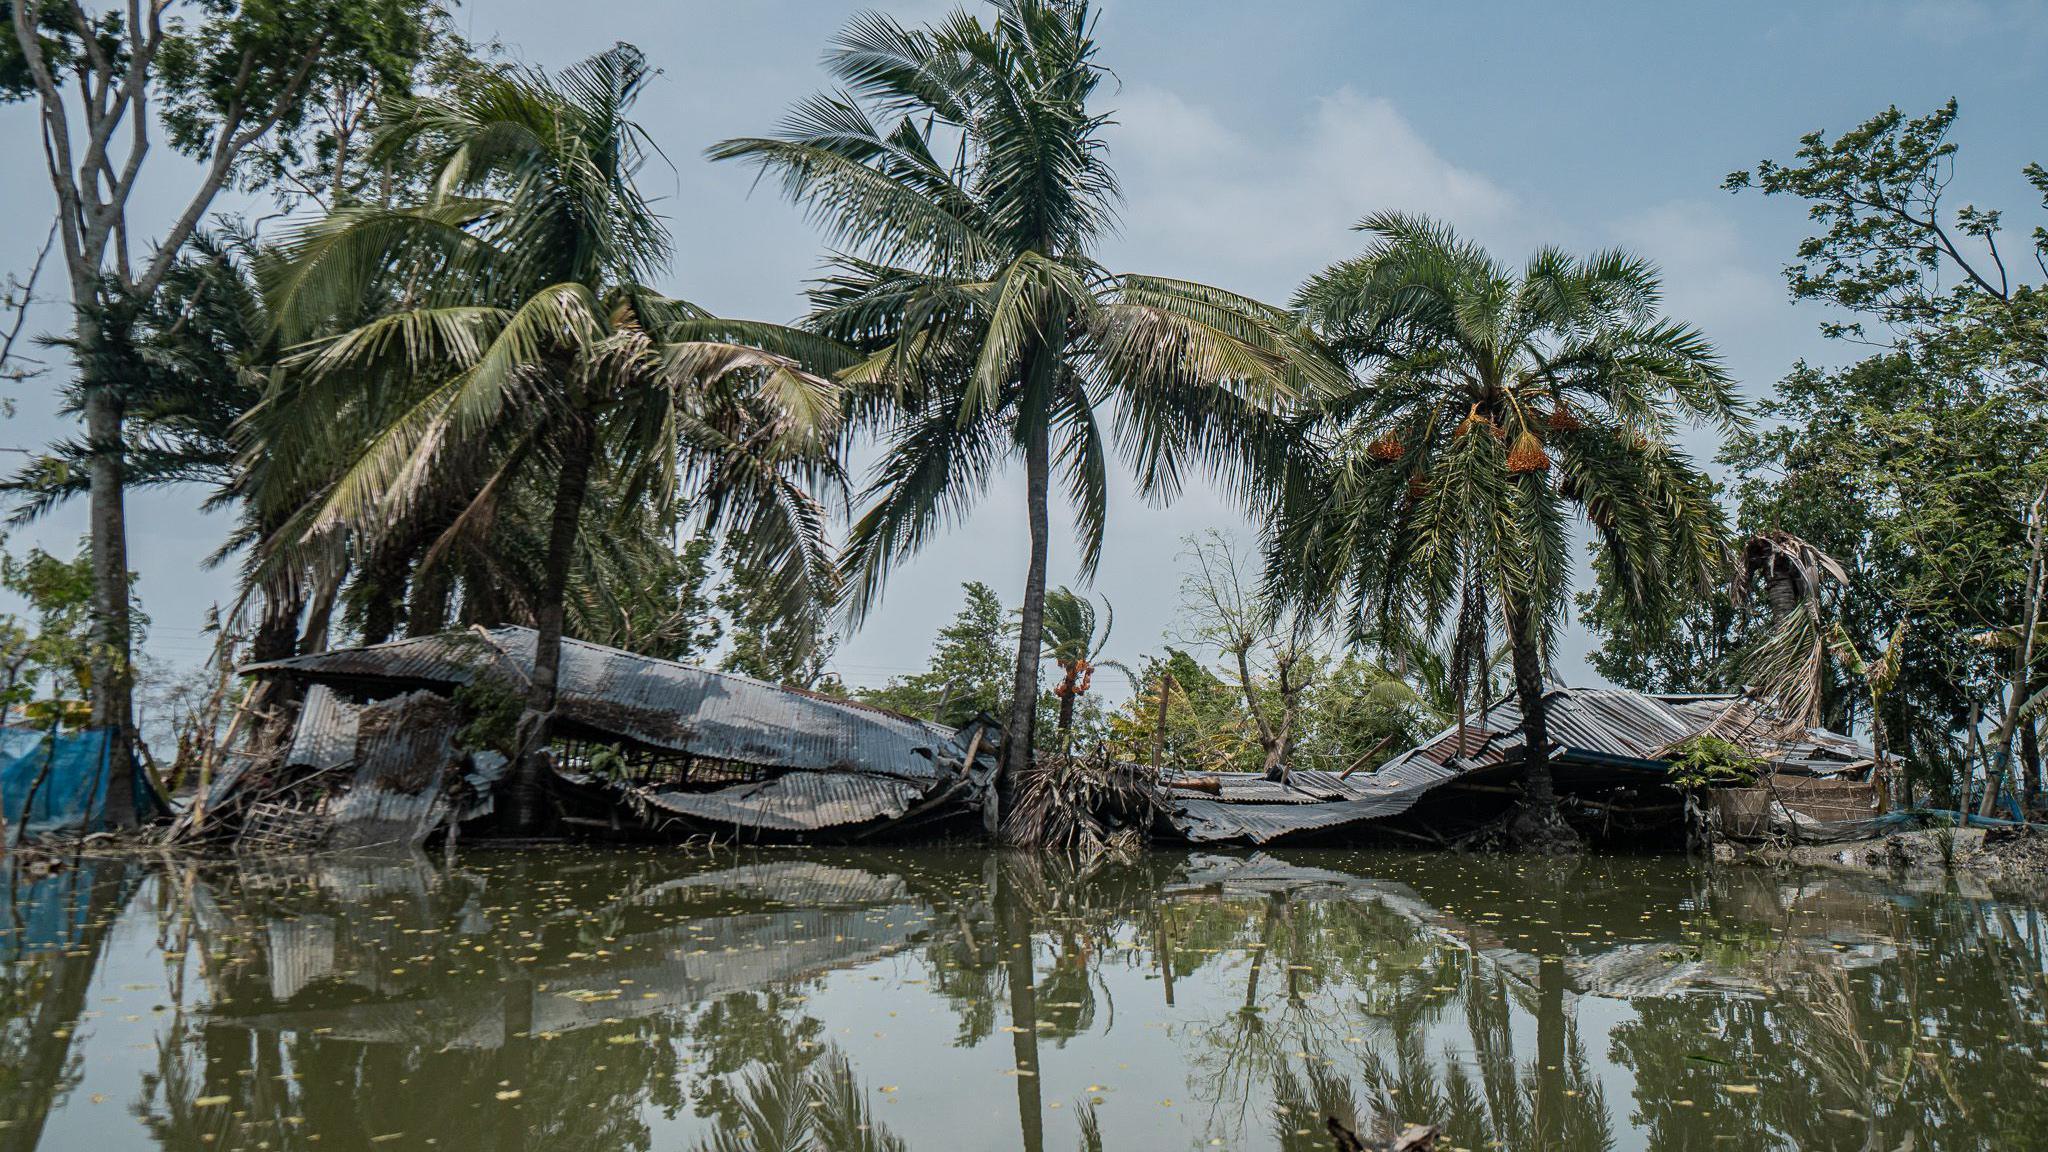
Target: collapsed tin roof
column 729, row 754
column 658, row 703
column 1624, row 728
column 1600, row 738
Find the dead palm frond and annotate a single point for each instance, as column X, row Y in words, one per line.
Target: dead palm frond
column 1787, row 667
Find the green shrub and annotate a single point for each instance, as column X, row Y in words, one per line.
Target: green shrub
column 1711, row 762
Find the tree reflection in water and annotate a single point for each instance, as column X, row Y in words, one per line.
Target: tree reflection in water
column 606, row 1001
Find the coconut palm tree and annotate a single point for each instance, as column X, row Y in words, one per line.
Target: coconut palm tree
column 1072, row 642
column 1437, row 495
column 524, row 348
column 963, row 168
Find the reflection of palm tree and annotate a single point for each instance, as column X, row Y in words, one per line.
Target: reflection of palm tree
column 798, row 1106
column 1013, row 918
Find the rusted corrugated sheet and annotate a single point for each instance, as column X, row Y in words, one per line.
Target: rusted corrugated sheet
column 662, row 704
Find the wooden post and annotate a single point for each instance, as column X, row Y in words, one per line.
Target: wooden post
column 1159, row 730
column 215, row 751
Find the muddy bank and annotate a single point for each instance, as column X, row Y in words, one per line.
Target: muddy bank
column 2002, row 859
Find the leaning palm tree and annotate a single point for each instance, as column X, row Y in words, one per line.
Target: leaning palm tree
column 1072, row 642
column 523, row 348
column 1437, row 495
column 963, row 168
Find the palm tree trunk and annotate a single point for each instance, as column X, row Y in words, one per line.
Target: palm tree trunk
column 277, row 631
column 384, row 574
column 523, row 796
column 1066, row 694
column 1539, row 827
column 426, row 611
column 113, row 703
column 1529, row 697
column 1024, row 689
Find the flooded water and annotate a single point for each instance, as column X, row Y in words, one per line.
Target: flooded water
column 916, row 1000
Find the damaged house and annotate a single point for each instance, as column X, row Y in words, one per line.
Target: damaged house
column 388, row 749
column 1610, row 758
column 393, row 745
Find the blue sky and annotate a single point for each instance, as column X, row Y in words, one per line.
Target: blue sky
column 1249, row 138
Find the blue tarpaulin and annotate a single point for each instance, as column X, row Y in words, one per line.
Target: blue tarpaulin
column 73, row 769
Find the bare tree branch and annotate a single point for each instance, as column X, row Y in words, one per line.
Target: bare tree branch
column 18, row 296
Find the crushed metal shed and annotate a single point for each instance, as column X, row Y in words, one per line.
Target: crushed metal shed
column 640, row 746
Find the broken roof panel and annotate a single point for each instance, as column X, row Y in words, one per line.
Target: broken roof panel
column 792, row 801
column 659, row 703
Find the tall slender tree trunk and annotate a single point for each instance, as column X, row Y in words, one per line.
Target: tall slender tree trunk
column 1528, row 660
column 320, row 614
column 1024, row 689
column 383, row 586
column 2030, row 760
column 523, row 795
column 113, row 665
column 427, row 611
column 277, row 630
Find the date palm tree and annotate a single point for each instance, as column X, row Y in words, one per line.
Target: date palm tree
column 522, row 347
column 963, row 169
column 1438, row 494
column 1072, row 643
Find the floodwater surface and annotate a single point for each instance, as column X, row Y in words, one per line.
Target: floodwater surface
column 601, row 1001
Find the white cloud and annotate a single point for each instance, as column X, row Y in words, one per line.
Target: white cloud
column 1722, row 278
column 1258, row 213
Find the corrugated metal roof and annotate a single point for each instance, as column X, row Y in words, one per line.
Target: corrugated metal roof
column 325, row 734
column 793, row 801
column 662, row 704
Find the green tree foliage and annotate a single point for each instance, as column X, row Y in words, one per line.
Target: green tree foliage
column 1707, row 761
column 51, row 654
column 1888, row 251
column 970, row 666
column 963, row 164
column 1437, row 496
column 197, row 350
column 766, row 638
column 1920, row 468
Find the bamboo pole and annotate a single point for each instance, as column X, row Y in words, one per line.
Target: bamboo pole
column 1368, row 754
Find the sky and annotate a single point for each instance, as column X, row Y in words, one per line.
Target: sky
column 1248, row 138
